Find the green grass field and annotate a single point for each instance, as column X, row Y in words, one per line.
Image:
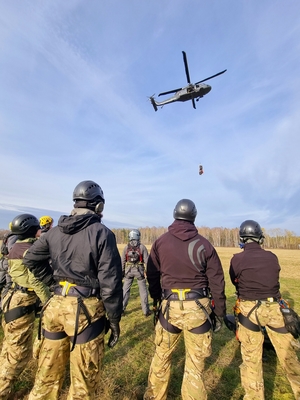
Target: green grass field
column 126, row 366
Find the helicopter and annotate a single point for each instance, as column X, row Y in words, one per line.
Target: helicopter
column 190, row 92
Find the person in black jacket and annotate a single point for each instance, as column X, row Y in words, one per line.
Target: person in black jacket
column 183, row 269
column 88, row 286
column 255, row 274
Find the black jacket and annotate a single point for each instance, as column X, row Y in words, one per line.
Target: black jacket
column 83, row 251
column 255, row 273
column 183, row 259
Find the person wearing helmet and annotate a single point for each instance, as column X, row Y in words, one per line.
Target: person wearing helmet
column 255, row 274
column 134, row 258
column 19, row 298
column 46, row 223
column 87, row 273
column 183, row 270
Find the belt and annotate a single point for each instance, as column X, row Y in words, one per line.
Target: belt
column 76, row 291
column 267, row 300
column 185, row 294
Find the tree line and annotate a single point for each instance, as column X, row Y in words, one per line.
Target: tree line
column 218, row 237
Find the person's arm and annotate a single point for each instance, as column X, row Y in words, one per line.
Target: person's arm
column 145, row 254
column 37, row 259
column 110, row 275
column 123, row 259
column 20, row 275
column 153, row 274
column 216, row 281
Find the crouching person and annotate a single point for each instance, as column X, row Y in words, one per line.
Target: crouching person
column 88, row 285
column 19, row 298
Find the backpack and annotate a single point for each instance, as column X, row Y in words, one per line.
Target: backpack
column 133, row 254
column 4, row 249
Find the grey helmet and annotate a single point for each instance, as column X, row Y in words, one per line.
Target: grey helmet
column 23, row 222
column 186, row 210
column 135, row 234
column 250, row 229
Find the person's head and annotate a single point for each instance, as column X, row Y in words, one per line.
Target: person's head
column 250, row 231
column 88, row 194
column 25, row 226
column 135, row 234
column 46, row 222
column 185, row 210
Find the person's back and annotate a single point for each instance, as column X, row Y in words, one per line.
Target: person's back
column 182, row 269
column 88, row 285
column 255, row 275
column 258, row 272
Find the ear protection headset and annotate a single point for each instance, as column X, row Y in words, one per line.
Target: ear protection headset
column 99, row 207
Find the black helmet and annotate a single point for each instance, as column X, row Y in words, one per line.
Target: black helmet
column 250, row 229
column 88, row 191
column 23, row 222
column 185, row 209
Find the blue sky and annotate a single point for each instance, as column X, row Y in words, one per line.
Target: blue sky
column 75, row 77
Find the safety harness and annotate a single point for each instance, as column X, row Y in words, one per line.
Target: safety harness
column 245, row 320
column 182, row 295
column 17, row 312
column 92, row 330
column 133, row 254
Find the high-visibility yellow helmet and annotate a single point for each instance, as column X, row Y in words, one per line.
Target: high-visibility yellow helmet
column 45, row 220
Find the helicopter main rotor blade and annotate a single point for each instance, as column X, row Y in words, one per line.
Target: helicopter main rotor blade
column 213, row 76
column 170, row 91
column 186, row 67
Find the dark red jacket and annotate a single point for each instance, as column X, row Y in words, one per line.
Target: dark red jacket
column 255, row 273
column 183, row 259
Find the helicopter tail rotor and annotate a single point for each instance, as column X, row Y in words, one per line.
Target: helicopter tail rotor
column 152, row 100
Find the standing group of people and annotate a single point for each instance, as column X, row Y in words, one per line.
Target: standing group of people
column 76, row 272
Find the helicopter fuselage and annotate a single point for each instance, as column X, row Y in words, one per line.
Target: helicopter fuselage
column 187, row 93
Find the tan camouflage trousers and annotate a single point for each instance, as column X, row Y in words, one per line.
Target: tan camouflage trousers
column 197, row 348
column 17, row 344
column 252, row 346
column 53, row 355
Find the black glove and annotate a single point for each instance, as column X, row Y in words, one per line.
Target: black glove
column 156, row 308
column 229, row 321
column 115, row 333
column 216, row 322
column 291, row 321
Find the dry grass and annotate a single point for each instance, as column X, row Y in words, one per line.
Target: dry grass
column 126, row 366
